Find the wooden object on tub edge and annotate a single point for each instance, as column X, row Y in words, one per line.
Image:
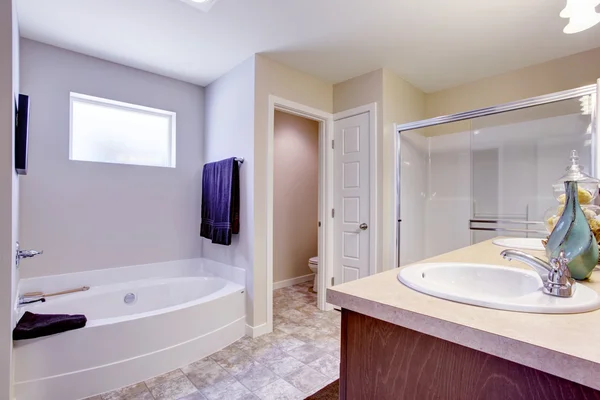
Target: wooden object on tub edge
column 384, row 361
column 42, row 294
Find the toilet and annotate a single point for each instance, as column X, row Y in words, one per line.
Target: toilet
column 313, row 264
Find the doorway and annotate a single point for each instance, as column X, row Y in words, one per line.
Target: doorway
column 326, row 207
column 325, row 199
column 296, row 205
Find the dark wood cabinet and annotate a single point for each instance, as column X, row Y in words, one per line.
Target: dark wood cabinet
column 382, row 361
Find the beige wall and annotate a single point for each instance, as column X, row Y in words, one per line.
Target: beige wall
column 88, row 215
column 274, row 79
column 402, row 102
column 9, row 189
column 358, row 91
column 296, row 195
column 553, row 76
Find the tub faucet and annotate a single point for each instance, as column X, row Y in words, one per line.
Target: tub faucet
column 20, row 254
column 555, row 275
column 23, row 301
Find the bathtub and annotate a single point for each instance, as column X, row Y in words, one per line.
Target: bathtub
column 143, row 321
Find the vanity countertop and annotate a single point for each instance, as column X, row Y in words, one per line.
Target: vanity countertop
column 565, row 345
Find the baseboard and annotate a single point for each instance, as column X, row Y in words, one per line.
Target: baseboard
column 293, row 281
column 256, row 331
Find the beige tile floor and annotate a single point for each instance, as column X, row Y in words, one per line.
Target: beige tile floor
column 300, row 357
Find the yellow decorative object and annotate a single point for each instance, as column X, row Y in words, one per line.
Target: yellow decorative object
column 589, row 214
column 595, row 226
column 585, row 197
column 552, row 222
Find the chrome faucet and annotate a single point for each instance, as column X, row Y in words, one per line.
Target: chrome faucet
column 25, row 254
column 555, row 275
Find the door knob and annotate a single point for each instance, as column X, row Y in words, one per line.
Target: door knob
column 364, row 226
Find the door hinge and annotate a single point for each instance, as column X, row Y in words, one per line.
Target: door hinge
column 333, row 144
column 332, row 280
column 333, row 213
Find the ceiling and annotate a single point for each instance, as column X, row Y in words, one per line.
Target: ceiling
column 434, row 44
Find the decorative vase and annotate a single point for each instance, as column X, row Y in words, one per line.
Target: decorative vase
column 572, row 234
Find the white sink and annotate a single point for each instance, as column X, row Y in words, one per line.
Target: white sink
column 494, row 286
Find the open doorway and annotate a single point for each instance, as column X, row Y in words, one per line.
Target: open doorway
column 296, row 206
column 355, row 133
column 324, row 171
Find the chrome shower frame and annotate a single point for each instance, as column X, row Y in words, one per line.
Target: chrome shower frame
column 497, row 109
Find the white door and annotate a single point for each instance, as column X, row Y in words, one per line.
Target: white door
column 351, row 198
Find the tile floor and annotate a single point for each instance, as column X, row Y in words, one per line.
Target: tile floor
column 300, row 357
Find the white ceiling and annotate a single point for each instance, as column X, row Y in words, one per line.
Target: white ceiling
column 433, row 44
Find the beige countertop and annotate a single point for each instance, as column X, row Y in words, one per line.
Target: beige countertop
column 565, row 345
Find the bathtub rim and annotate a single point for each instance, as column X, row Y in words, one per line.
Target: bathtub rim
column 117, row 274
column 229, row 288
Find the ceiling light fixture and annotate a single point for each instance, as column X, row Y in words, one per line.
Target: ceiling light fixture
column 202, row 5
column 582, row 15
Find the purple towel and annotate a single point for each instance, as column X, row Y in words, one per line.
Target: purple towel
column 32, row 325
column 220, row 201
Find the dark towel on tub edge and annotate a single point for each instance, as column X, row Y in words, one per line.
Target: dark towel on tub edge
column 32, row 326
column 220, row 201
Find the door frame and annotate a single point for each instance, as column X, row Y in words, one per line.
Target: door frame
column 370, row 108
column 325, row 120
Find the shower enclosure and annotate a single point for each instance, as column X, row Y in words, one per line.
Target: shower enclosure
column 472, row 176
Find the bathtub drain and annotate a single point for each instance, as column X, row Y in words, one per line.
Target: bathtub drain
column 129, row 298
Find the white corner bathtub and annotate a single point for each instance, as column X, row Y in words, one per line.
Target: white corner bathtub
column 182, row 311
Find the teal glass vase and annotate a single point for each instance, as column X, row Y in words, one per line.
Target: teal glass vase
column 572, row 234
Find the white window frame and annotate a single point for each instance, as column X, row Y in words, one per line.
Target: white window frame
column 74, row 96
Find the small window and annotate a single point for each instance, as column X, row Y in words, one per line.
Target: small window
column 113, row 132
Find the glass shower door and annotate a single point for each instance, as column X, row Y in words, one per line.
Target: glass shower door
column 516, row 157
column 434, row 191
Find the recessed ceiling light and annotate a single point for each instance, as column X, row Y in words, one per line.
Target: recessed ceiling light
column 202, row 5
